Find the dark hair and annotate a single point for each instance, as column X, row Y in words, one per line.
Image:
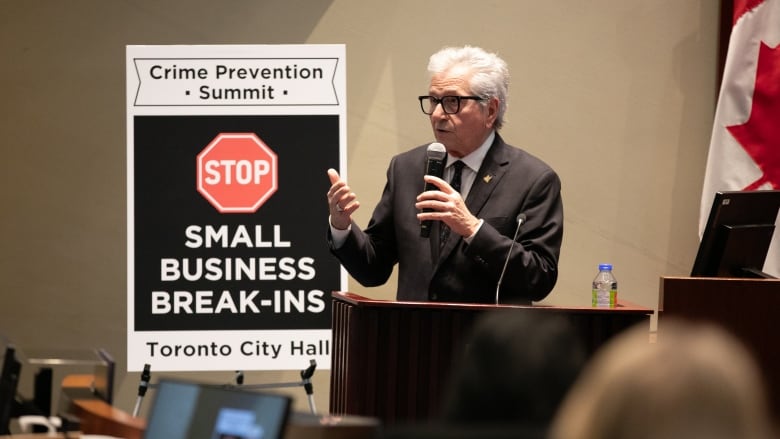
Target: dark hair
column 517, row 367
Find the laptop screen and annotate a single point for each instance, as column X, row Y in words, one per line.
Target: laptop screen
column 189, row 410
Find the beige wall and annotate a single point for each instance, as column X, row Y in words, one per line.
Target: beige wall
column 617, row 95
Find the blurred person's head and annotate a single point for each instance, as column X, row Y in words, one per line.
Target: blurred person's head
column 696, row 381
column 517, row 368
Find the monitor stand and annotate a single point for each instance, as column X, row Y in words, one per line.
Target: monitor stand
column 754, row 273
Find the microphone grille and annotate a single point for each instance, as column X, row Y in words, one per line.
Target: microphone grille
column 436, row 151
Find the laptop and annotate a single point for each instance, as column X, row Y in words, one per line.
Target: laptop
column 190, row 410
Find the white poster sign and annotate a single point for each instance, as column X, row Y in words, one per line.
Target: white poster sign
column 227, row 148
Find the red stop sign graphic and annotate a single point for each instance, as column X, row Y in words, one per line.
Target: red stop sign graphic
column 237, row 172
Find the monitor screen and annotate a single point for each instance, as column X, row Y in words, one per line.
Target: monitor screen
column 737, row 235
column 188, row 410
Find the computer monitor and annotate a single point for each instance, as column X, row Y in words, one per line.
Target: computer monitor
column 103, row 384
column 189, row 410
column 737, row 235
column 9, row 381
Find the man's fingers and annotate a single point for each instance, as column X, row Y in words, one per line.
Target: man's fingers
column 439, row 183
column 333, row 175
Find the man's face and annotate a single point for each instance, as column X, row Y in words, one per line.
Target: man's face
column 463, row 132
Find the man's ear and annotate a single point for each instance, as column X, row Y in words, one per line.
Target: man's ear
column 492, row 111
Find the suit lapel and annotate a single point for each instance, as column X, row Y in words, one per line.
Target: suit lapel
column 488, row 178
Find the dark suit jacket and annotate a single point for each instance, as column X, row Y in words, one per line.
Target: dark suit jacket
column 510, row 181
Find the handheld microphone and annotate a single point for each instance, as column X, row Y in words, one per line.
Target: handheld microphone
column 435, row 166
column 520, row 221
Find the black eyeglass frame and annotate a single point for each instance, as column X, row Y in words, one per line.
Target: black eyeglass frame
column 436, row 101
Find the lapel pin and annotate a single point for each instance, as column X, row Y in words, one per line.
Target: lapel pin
column 487, row 178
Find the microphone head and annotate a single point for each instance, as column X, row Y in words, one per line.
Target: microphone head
column 521, row 218
column 436, row 151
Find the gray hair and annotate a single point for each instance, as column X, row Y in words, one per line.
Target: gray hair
column 491, row 74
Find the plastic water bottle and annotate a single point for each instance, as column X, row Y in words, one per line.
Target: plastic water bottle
column 604, row 287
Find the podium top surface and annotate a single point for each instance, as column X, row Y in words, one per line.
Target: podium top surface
column 622, row 307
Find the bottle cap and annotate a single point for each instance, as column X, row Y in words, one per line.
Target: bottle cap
column 603, row 267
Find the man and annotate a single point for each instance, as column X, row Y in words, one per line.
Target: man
column 466, row 102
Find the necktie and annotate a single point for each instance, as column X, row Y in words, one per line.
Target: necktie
column 444, row 231
column 456, row 176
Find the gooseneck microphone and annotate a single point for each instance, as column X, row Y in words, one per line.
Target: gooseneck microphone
column 435, row 166
column 520, row 221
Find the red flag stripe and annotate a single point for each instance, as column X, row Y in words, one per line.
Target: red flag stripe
column 741, row 7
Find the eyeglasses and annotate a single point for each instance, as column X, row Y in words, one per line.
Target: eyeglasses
column 450, row 104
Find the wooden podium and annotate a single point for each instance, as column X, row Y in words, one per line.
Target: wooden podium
column 749, row 308
column 391, row 360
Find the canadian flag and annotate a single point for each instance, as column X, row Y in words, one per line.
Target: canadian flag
column 745, row 145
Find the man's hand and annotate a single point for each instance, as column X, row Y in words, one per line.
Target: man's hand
column 447, row 206
column 342, row 202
